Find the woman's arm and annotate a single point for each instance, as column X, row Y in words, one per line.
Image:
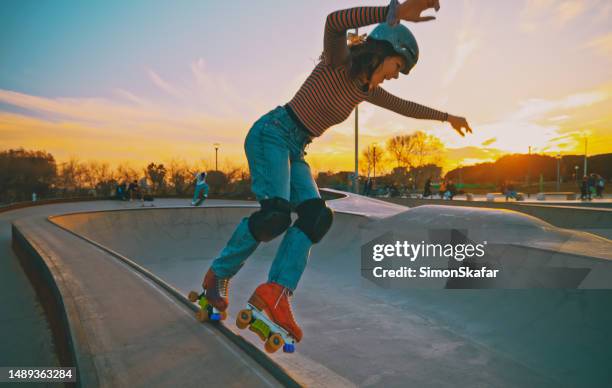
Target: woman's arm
column 386, row 100
column 335, row 49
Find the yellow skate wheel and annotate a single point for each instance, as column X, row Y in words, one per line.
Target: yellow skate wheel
column 244, row 319
column 274, row 343
column 193, row 296
column 202, row 315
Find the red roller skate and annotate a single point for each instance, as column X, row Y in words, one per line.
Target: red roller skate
column 268, row 314
column 213, row 300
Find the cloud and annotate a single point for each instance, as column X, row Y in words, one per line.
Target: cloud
column 128, row 127
column 541, row 14
column 530, row 124
column 559, row 118
column 463, row 51
column 466, row 45
column 534, row 108
column 602, row 44
column 163, row 85
column 131, row 97
column 469, row 155
column 489, row 141
column 570, row 9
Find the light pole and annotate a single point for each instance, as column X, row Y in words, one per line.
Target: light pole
column 585, row 155
column 528, row 167
column 576, row 173
column 356, row 175
column 559, row 172
column 216, row 156
column 374, row 158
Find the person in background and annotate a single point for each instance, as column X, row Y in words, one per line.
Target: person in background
column 585, row 193
column 201, row 189
column 510, row 192
column 427, row 190
column 600, row 185
column 133, row 190
column 144, row 189
column 450, row 190
column 592, row 185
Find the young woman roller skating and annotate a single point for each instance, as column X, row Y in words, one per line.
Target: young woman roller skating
column 281, row 178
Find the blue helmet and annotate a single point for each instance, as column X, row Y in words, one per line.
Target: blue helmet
column 402, row 40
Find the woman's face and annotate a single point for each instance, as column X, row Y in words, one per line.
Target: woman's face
column 389, row 69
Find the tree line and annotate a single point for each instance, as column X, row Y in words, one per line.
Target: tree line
column 24, row 172
column 402, row 162
column 530, row 169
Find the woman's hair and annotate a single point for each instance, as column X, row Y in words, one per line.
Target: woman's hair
column 365, row 57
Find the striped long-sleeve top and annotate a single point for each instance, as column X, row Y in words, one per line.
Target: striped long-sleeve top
column 329, row 95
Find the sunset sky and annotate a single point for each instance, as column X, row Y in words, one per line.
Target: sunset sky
column 143, row 81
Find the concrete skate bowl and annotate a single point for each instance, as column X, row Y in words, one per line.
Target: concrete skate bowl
column 360, row 334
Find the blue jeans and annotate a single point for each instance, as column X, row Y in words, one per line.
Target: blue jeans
column 275, row 151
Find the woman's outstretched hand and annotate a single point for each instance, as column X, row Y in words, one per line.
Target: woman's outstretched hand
column 410, row 10
column 459, row 124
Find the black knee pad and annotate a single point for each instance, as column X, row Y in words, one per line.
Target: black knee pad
column 271, row 220
column 314, row 218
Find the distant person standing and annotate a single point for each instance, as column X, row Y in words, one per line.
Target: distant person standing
column 201, row 189
column 122, row 191
column 133, row 190
column 145, row 192
column 592, row 185
column 367, row 188
column 427, row 190
column 510, row 192
column 585, row 192
column 600, row 185
column 450, row 191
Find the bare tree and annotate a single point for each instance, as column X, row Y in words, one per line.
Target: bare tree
column 400, row 149
column 373, row 157
column 427, row 149
column 126, row 173
column 180, row 176
column 157, row 174
column 72, row 176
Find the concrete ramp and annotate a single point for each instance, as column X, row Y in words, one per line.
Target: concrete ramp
column 359, row 334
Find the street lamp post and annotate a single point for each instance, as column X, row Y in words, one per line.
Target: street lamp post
column 216, row 156
column 558, row 172
column 374, row 158
column 356, row 174
column 528, row 167
column 576, row 173
column 585, row 155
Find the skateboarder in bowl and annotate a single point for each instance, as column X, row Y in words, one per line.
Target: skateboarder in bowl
column 281, row 179
column 201, row 189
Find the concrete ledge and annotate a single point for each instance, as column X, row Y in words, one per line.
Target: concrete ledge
column 60, row 308
column 42, row 202
column 261, row 358
column 570, row 217
column 563, row 194
column 68, row 305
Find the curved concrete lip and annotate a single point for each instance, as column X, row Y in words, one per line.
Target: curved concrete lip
column 425, row 329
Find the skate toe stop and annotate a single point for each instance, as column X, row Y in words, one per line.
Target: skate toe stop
column 288, row 348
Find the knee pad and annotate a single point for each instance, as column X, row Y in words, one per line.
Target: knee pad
column 271, row 220
column 314, row 218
